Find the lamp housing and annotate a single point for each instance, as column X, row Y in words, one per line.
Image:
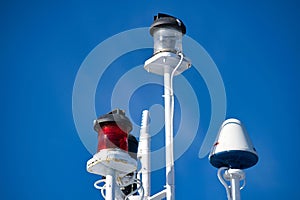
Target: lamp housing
column 233, row 147
column 167, row 32
column 113, row 129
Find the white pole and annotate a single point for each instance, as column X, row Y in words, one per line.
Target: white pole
column 170, row 182
column 234, row 176
column 110, row 186
column 144, row 154
column 235, row 187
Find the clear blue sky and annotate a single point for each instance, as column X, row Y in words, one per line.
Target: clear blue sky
column 254, row 44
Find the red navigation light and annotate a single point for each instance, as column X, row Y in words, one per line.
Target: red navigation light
column 110, row 135
column 113, row 129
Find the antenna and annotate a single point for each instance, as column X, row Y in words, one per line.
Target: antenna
column 232, row 152
column 144, row 154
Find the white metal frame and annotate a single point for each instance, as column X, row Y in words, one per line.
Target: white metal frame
column 234, row 176
column 168, row 64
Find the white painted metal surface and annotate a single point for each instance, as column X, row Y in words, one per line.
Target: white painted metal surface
column 111, row 159
column 158, row 62
column 144, row 154
column 233, row 136
column 110, row 186
column 235, row 188
column 234, row 176
column 168, row 64
column 170, row 179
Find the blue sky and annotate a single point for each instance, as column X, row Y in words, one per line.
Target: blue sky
column 255, row 46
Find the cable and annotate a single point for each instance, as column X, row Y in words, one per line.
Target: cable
column 224, row 182
column 244, row 184
column 174, row 70
column 171, row 86
column 98, row 182
column 101, row 188
column 139, row 183
column 129, row 179
column 121, row 185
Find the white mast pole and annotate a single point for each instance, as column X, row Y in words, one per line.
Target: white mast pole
column 235, row 188
column 235, row 176
column 110, row 186
column 168, row 60
column 168, row 97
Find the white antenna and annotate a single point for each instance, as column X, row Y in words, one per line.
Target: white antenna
column 144, row 154
column 232, row 152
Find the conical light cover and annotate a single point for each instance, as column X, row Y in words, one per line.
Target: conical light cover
column 233, row 147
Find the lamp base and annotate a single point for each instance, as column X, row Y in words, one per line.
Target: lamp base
column 107, row 160
column 166, row 61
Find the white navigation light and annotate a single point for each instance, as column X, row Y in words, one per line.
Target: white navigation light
column 168, row 61
column 167, row 32
column 233, row 147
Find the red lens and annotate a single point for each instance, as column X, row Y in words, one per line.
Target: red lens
column 112, row 136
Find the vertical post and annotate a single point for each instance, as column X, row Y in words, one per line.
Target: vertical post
column 235, row 187
column 234, row 176
column 167, row 32
column 110, row 186
column 170, row 182
column 144, row 154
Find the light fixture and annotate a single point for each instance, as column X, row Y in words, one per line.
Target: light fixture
column 112, row 160
column 113, row 129
column 167, row 32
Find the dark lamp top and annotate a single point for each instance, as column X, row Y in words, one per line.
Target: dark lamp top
column 167, row 21
column 116, row 116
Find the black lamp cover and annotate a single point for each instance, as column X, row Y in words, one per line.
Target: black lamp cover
column 165, row 21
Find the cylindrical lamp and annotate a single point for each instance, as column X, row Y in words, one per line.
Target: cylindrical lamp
column 167, row 32
column 113, row 129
